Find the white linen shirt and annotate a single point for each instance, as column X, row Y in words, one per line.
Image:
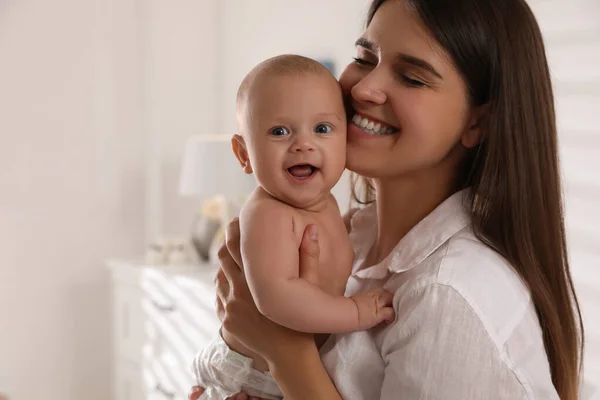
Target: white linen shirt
column 465, row 326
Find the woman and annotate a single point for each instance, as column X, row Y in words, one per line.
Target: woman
column 467, row 228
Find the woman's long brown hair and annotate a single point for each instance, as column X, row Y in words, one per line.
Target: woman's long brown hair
column 516, row 202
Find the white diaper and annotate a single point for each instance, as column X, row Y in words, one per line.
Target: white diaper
column 223, row 372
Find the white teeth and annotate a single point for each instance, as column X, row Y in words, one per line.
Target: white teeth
column 370, row 126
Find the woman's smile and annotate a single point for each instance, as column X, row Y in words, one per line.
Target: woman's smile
column 372, row 125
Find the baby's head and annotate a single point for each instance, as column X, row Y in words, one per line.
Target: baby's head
column 292, row 129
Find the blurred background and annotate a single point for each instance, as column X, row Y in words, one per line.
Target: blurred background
column 100, row 103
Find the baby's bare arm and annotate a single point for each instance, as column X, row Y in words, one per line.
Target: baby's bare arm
column 271, row 263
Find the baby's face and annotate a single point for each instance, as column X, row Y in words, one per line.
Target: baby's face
column 295, row 130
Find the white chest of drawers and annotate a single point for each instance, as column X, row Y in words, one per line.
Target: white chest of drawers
column 161, row 317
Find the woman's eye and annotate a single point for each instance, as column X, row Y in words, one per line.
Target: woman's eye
column 323, row 128
column 361, row 61
column 280, row 131
column 412, row 82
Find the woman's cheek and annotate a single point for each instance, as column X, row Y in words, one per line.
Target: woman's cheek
column 416, row 111
column 350, row 77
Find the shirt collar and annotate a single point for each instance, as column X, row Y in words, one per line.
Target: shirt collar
column 420, row 242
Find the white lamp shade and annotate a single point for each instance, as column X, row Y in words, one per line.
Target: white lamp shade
column 210, row 169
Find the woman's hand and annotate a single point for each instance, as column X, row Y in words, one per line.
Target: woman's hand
column 197, row 391
column 236, row 307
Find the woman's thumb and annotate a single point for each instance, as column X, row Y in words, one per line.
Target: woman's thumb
column 309, row 254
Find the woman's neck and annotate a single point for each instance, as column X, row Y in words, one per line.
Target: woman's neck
column 401, row 204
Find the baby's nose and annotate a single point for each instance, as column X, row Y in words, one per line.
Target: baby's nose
column 302, row 144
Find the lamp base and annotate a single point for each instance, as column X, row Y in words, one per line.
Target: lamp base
column 202, row 235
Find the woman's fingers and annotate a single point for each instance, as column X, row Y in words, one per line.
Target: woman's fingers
column 221, row 283
column 239, row 396
column 222, row 293
column 232, row 241
column 195, row 393
column 220, row 308
column 309, row 254
column 228, row 265
column 243, row 396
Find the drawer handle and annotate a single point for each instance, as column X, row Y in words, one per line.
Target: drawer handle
column 164, row 308
column 169, row 395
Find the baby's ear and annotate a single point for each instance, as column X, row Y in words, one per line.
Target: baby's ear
column 238, row 145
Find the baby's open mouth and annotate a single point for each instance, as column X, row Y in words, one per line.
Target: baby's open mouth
column 302, row 171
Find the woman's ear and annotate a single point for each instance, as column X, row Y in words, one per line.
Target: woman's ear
column 474, row 133
column 238, row 145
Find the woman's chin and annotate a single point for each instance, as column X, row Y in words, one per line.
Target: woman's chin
column 362, row 161
column 362, row 168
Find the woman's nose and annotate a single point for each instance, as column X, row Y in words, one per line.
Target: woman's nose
column 366, row 90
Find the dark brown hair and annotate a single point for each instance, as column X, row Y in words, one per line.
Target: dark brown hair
column 516, row 203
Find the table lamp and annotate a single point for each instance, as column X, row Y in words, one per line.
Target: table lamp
column 211, row 173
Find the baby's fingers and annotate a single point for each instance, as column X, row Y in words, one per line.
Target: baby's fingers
column 385, row 298
column 387, row 314
column 385, row 309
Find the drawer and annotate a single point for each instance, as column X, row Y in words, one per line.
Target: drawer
column 128, row 322
column 161, row 318
column 155, row 379
column 183, row 311
column 165, row 379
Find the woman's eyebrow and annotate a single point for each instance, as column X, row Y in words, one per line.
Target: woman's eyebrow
column 400, row 57
column 417, row 62
column 367, row 44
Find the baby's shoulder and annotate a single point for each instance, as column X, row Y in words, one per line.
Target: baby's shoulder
column 262, row 208
column 264, row 205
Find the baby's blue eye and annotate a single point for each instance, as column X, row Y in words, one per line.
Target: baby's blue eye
column 323, row 128
column 280, row 131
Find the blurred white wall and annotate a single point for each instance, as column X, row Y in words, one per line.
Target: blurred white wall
column 71, row 188
column 181, row 74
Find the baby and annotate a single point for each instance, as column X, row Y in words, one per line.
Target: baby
column 292, row 136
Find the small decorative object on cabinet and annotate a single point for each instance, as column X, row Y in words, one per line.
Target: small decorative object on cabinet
column 211, row 173
column 160, row 318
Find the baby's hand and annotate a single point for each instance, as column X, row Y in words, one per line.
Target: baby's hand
column 374, row 307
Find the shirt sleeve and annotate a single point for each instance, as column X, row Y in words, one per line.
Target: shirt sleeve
column 438, row 348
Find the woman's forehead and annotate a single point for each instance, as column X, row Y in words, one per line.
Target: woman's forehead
column 397, row 28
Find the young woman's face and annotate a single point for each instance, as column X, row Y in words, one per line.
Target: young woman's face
column 408, row 106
